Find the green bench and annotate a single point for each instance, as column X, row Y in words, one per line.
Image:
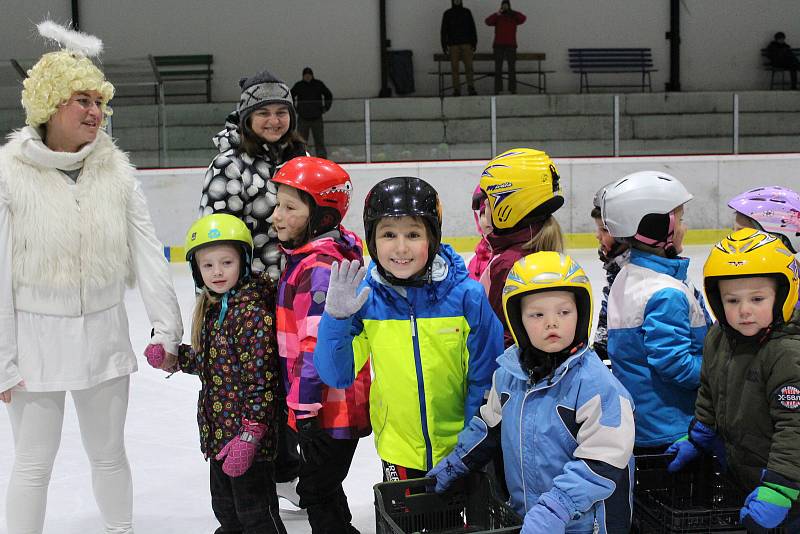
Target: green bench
column 185, row 70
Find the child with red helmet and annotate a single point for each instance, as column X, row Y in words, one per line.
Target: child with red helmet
column 312, row 198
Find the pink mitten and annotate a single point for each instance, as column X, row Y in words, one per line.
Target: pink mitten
column 155, row 355
column 240, row 452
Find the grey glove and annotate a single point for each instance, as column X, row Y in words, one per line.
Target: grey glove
column 342, row 301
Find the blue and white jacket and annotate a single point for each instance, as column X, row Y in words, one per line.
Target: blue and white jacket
column 657, row 321
column 570, row 436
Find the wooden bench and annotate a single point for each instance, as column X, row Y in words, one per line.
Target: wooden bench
column 185, row 69
column 480, row 73
column 775, row 70
column 585, row 61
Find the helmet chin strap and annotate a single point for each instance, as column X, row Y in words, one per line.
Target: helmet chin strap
column 540, row 364
column 415, row 281
column 667, row 244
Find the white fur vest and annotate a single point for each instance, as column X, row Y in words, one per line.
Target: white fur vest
column 70, row 242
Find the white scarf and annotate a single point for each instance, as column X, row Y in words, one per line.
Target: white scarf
column 34, row 151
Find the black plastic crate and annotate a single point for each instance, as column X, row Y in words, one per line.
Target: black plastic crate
column 471, row 505
column 695, row 500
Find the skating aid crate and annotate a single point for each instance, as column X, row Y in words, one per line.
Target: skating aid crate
column 405, row 507
column 696, row 500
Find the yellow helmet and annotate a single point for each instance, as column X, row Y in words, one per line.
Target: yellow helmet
column 749, row 252
column 546, row 271
column 215, row 229
column 521, row 183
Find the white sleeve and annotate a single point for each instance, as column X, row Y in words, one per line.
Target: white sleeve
column 9, row 374
column 152, row 274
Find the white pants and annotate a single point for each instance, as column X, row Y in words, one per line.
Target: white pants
column 36, row 421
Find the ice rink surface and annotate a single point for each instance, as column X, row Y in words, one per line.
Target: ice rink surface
column 170, row 477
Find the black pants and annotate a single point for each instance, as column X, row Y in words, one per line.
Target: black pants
column 509, row 53
column 317, row 127
column 287, row 463
column 321, row 492
column 246, row 504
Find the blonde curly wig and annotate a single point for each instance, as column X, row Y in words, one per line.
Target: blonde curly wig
column 55, row 78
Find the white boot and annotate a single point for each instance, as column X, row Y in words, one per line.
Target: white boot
column 290, row 500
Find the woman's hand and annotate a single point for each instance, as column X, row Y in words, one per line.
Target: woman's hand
column 5, row 396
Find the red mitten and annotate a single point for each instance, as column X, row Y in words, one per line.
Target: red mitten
column 240, row 452
column 155, row 355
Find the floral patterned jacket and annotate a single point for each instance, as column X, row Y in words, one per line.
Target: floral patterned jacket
column 238, row 367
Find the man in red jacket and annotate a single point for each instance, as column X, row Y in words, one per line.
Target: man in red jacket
column 505, row 24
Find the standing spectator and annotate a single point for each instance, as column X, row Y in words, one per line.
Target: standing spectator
column 312, row 99
column 505, row 24
column 459, row 40
column 781, row 55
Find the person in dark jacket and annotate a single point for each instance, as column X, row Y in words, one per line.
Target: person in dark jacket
column 459, row 40
column 748, row 407
column 312, row 99
column 505, row 23
column 781, row 55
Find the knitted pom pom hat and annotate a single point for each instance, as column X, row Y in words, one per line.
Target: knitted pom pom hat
column 261, row 90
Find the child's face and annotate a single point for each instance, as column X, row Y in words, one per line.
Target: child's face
column 680, row 230
column 219, row 266
column 485, row 222
column 402, row 245
column 605, row 239
column 290, row 217
column 748, row 303
column 550, row 319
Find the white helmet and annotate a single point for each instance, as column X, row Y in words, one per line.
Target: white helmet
column 628, row 200
column 597, row 202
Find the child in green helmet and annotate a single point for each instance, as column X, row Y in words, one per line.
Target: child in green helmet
column 234, row 352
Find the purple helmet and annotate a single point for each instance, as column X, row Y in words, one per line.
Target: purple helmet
column 776, row 209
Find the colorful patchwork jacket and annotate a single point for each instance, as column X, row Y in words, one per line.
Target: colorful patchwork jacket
column 433, row 351
column 238, row 367
column 302, row 290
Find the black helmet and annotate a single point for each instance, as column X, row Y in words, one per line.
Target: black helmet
column 403, row 196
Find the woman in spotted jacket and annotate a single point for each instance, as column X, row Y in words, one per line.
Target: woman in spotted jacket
column 259, row 137
column 234, row 352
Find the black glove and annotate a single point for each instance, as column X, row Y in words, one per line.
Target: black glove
column 314, row 442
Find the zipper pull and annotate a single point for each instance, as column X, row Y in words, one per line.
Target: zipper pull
column 413, row 322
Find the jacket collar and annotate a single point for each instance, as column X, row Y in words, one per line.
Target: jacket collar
column 677, row 268
column 513, row 240
column 509, row 361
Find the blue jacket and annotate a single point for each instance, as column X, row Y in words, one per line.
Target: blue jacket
column 433, row 351
column 570, row 436
column 657, row 322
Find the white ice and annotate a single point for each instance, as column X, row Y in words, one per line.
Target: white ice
column 170, row 477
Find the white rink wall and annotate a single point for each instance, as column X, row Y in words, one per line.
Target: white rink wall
column 173, row 194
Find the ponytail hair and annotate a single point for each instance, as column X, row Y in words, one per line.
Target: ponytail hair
column 548, row 238
column 202, row 303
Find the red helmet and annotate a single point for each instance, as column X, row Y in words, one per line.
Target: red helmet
column 327, row 184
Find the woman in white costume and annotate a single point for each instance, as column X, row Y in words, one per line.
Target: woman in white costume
column 74, row 230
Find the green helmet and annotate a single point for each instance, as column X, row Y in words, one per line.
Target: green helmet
column 215, row 229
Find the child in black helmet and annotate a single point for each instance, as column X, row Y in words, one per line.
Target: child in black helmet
column 428, row 328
